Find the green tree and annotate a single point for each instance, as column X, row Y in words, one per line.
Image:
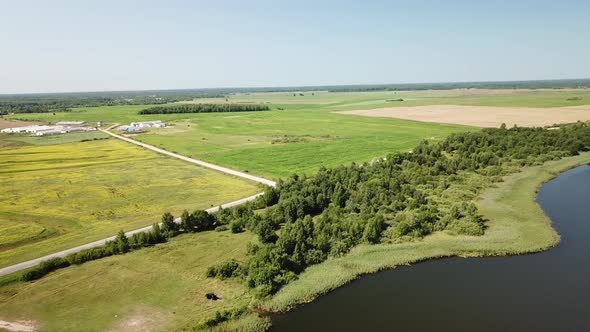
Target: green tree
column 169, row 227
column 122, row 242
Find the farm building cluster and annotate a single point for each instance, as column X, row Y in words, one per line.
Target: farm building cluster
column 63, row 127
column 135, row 127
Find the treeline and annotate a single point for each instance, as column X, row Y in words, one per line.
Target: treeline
column 65, row 105
column 540, row 84
column 203, row 108
column 402, row 197
column 197, row 221
column 46, row 103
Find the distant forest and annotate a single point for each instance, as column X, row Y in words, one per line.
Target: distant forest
column 53, row 102
column 64, row 102
column 203, row 108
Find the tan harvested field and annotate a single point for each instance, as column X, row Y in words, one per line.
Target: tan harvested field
column 482, row 116
column 4, row 123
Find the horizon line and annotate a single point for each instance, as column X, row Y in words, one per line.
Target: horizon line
column 294, row 87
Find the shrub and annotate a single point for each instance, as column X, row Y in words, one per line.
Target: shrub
column 220, row 317
column 224, row 270
column 221, row 228
column 44, row 268
column 466, row 226
column 236, row 226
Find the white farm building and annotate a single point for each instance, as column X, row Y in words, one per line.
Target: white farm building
column 70, row 123
column 148, row 124
column 28, row 129
column 45, row 130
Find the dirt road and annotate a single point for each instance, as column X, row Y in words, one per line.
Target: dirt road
column 194, row 161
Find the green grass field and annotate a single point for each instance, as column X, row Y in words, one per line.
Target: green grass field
column 306, row 134
column 14, row 140
column 58, row 196
column 161, row 288
column 278, row 144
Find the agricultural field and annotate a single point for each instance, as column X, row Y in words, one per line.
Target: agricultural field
column 8, row 140
column 303, row 131
column 300, row 133
column 482, row 116
column 153, row 289
column 70, row 193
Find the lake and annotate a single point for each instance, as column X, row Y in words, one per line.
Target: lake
column 548, row 291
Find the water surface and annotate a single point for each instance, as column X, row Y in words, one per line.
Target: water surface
column 549, row 291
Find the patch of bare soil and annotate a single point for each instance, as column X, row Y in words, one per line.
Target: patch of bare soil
column 4, row 123
column 482, row 116
column 18, row 326
column 141, row 320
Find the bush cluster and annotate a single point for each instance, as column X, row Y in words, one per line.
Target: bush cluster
column 398, row 198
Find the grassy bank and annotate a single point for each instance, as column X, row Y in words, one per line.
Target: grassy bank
column 58, row 196
column 161, row 288
column 516, row 224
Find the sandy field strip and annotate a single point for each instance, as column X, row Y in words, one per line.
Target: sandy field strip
column 482, row 116
column 4, row 123
column 20, row 326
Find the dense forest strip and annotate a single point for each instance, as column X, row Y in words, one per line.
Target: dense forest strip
column 46, row 103
column 399, row 199
column 516, row 225
column 203, row 108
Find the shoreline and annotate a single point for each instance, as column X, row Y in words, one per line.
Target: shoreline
column 508, row 234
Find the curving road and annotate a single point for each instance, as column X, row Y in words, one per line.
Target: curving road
column 33, row 262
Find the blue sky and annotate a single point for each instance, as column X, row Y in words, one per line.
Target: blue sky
column 50, row 46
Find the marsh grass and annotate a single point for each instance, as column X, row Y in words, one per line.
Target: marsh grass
column 516, row 225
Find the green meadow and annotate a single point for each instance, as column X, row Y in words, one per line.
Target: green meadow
column 163, row 287
column 58, row 196
column 301, row 132
column 73, row 191
column 160, row 288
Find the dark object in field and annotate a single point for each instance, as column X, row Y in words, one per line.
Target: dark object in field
column 211, row 296
column 391, row 100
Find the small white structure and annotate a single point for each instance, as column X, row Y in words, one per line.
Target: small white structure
column 129, row 129
column 27, row 129
column 70, row 123
column 45, row 130
column 53, row 131
column 148, row 124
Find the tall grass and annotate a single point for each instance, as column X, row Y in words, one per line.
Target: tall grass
column 516, row 225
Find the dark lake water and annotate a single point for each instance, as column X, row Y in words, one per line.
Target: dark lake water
column 549, row 291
